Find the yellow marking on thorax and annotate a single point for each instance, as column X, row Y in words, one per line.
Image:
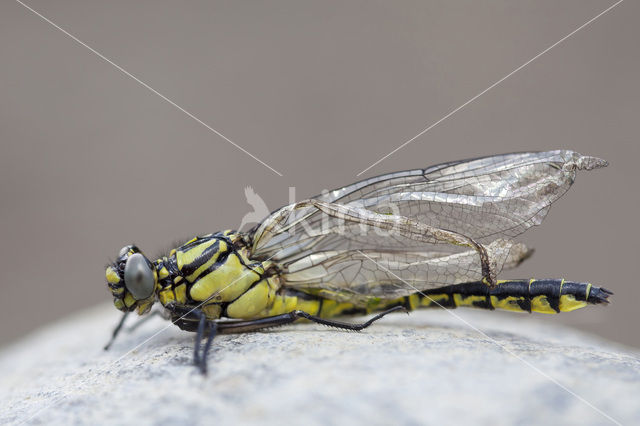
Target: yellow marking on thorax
column 253, row 301
column 188, row 256
column 177, row 294
column 191, row 278
column 227, row 282
column 163, row 273
column 212, row 311
column 166, row 295
column 243, row 253
column 181, row 293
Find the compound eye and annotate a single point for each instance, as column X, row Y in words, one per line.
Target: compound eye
column 138, row 277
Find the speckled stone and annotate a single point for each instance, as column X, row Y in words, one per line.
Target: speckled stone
column 426, row 368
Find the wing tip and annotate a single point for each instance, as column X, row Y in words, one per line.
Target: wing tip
column 585, row 162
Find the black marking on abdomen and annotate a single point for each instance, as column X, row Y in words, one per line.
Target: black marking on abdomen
column 406, row 302
column 548, row 288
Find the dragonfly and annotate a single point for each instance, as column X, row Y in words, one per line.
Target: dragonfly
column 423, row 238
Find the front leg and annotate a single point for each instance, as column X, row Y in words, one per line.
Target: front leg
column 186, row 318
column 116, row 331
column 201, row 360
column 131, row 328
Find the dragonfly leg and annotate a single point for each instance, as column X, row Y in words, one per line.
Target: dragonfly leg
column 279, row 320
column 213, row 328
column 346, row 325
column 204, row 326
column 196, row 348
column 116, row 331
column 143, row 320
column 200, row 356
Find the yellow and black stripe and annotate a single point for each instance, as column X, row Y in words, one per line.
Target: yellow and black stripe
column 215, row 273
column 547, row 296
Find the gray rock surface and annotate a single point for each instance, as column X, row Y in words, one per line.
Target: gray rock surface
column 426, row 368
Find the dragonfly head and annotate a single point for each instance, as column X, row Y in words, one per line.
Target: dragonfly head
column 132, row 279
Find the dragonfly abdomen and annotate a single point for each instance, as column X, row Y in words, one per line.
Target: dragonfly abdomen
column 548, row 296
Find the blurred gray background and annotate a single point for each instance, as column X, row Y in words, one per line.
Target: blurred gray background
column 90, row 160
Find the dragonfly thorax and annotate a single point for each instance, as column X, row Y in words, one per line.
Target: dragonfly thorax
column 213, row 273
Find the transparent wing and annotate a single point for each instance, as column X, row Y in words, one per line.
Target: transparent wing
column 355, row 250
column 483, row 198
column 439, row 214
column 357, row 276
